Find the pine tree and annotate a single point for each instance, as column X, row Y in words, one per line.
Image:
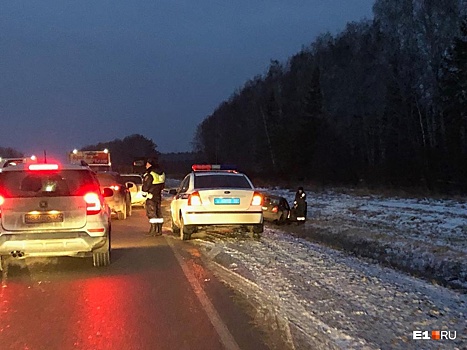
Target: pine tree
column 454, row 102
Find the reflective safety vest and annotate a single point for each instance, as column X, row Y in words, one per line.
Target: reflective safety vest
column 157, row 178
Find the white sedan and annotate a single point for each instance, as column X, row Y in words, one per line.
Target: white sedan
column 213, row 196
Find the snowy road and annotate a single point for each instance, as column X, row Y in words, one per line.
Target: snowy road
column 329, row 299
column 352, row 304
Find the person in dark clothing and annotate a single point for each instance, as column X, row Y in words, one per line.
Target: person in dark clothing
column 153, row 184
column 300, row 206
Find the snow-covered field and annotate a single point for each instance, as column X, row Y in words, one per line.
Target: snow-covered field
column 323, row 298
column 425, row 237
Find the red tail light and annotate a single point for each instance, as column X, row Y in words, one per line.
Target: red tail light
column 93, row 203
column 257, row 199
column 2, row 200
column 194, row 199
column 275, row 209
column 48, row 166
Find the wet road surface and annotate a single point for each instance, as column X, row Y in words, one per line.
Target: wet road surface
column 156, row 294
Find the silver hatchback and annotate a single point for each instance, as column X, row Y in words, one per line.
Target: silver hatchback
column 53, row 210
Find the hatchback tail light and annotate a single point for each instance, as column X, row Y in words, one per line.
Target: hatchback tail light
column 275, row 209
column 93, row 203
column 257, row 199
column 2, row 200
column 194, row 199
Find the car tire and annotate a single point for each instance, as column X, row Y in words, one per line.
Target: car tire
column 121, row 215
column 128, row 209
column 175, row 228
column 185, row 232
column 101, row 257
column 259, row 228
column 282, row 219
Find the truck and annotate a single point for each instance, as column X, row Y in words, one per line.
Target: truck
column 5, row 162
column 96, row 160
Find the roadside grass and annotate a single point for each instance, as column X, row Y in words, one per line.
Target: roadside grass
column 436, row 264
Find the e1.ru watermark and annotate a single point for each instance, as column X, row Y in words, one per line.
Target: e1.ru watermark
column 434, row 335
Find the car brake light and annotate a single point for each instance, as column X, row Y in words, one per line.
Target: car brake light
column 43, row 167
column 275, row 209
column 194, row 199
column 93, row 203
column 257, row 199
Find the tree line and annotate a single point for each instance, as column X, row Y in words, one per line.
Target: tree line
column 124, row 151
column 383, row 102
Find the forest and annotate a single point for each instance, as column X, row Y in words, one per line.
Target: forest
column 383, row 103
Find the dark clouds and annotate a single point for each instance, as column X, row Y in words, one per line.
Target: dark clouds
column 74, row 73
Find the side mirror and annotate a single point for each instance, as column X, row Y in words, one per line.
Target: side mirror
column 107, row 192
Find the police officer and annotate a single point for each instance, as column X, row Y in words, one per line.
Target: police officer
column 300, row 206
column 153, row 184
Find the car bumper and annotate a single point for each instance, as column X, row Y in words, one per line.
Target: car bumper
column 138, row 199
column 223, row 218
column 47, row 244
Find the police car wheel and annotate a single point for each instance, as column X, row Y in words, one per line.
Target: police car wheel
column 185, row 231
column 175, row 229
column 259, row 228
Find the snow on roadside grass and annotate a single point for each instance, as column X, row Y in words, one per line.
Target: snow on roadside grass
column 427, row 237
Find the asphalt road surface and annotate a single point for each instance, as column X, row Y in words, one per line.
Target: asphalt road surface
column 156, row 294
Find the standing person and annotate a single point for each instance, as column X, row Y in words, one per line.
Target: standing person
column 300, row 205
column 153, row 184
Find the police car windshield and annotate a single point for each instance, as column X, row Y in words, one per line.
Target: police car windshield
column 221, row 181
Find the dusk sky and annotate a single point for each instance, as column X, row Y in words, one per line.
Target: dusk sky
column 74, row 73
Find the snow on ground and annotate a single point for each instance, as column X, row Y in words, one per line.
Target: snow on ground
column 441, row 222
column 333, row 300
column 427, row 237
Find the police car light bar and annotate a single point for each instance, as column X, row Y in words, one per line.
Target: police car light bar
column 43, row 167
column 201, row 167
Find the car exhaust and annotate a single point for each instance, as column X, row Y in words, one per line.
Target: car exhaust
column 17, row 254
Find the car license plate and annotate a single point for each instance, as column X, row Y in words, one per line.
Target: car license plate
column 43, row 218
column 226, row 200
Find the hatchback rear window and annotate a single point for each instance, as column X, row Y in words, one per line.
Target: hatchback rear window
column 221, row 181
column 46, row 183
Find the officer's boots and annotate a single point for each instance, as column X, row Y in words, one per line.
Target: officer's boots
column 159, row 229
column 152, row 230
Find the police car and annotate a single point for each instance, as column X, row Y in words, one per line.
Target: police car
column 53, row 210
column 216, row 195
